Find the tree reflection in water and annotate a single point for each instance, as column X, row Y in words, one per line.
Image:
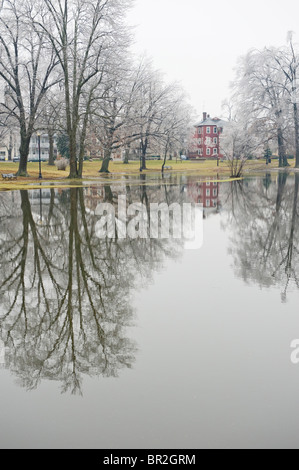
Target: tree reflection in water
column 65, row 303
column 263, row 216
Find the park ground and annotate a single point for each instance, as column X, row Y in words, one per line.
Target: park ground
column 52, row 176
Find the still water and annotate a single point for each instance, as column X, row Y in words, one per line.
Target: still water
column 142, row 343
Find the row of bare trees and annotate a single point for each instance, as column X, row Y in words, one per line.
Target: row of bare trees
column 263, row 111
column 66, row 66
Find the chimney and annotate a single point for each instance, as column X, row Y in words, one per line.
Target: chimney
column 204, row 116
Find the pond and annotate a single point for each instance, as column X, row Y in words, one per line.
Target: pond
column 147, row 343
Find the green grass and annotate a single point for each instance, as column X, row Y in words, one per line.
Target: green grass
column 91, row 170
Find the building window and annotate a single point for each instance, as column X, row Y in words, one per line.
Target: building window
column 215, row 140
column 199, row 141
column 208, row 183
column 199, row 151
column 214, row 202
column 215, row 130
column 207, row 192
column 208, row 202
column 208, row 151
column 215, row 151
column 215, row 184
column 208, row 130
column 199, row 131
column 208, row 141
column 214, row 192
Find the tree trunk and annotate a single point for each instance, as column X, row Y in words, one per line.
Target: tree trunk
column 126, row 159
column 163, row 165
column 24, row 151
column 73, row 169
column 10, row 148
column 283, row 161
column 296, row 124
column 165, row 156
column 143, row 154
column 81, row 161
column 73, row 157
column 81, row 155
column 106, row 161
column 51, row 148
column 143, row 162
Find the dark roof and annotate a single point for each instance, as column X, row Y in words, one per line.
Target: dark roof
column 211, row 122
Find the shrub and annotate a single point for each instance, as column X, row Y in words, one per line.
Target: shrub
column 62, row 164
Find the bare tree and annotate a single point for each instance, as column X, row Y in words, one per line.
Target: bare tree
column 260, row 95
column 26, row 66
column 84, row 35
column 113, row 118
column 287, row 62
column 51, row 118
column 175, row 126
column 238, row 144
column 153, row 98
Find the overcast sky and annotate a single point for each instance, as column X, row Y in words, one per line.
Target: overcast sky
column 198, row 42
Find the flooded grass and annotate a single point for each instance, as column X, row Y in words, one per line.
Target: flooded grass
column 117, row 169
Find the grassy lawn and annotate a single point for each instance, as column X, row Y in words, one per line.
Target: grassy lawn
column 91, row 170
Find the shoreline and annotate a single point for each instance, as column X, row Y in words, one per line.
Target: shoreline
column 51, row 176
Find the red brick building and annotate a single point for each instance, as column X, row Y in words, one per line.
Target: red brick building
column 205, row 141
